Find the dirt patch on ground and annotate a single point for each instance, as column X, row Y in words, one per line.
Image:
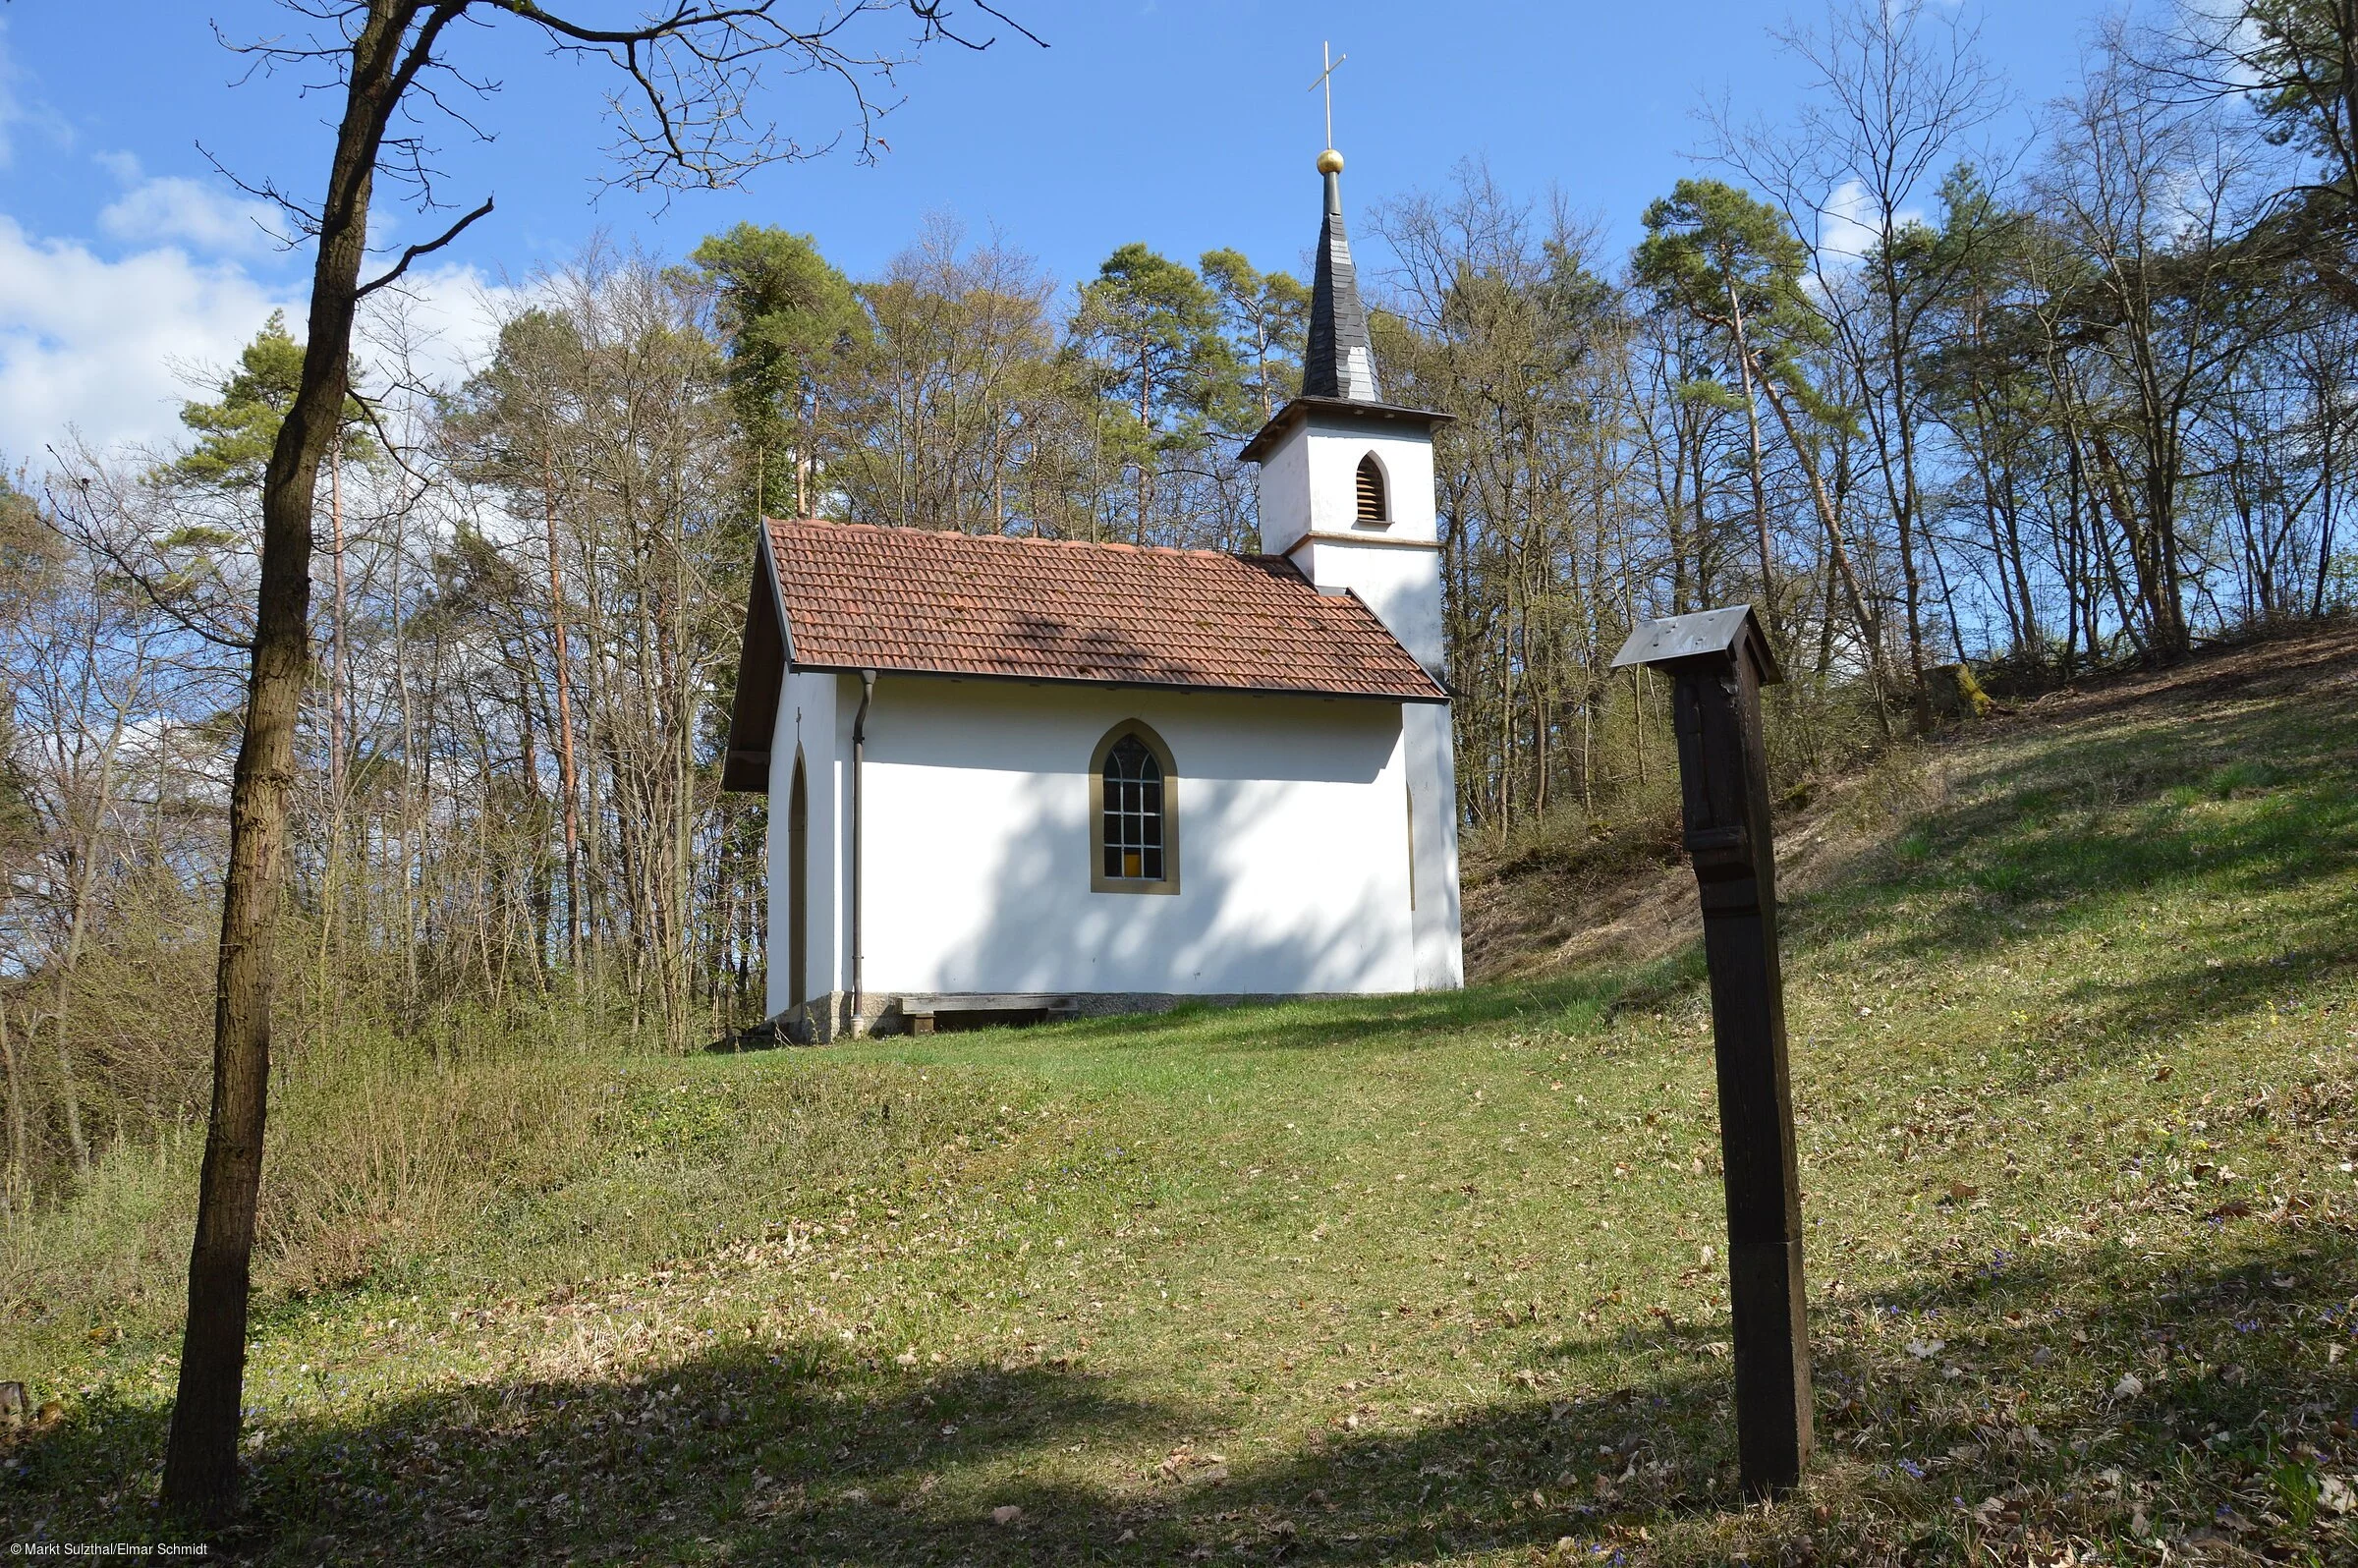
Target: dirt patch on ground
column 1536, row 917
column 1631, row 898
column 1625, row 906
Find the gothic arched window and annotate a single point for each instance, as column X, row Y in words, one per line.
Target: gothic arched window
column 1134, row 827
column 1372, row 508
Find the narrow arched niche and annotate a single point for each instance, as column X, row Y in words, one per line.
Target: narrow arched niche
column 1374, row 500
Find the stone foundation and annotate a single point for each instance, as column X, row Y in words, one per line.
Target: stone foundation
column 827, row 1019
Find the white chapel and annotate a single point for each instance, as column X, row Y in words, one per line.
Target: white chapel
column 1023, row 777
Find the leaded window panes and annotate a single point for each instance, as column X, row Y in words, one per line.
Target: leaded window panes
column 1134, row 817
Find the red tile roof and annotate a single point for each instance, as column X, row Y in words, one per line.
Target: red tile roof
column 882, row 598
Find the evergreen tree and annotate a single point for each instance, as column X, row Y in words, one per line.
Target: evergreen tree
column 1267, row 316
column 788, row 316
column 235, row 434
column 1151, row 329
column 1729, row 262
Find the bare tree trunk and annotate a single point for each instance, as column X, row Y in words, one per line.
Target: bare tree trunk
column 201, row 1462
column 1759, row 480
column 573, row 841
column 331, row 885
column 85, row 877
column 803, row 458
column 1869, row 624
column 335, row 691
column 681, row 706
column 1907, row 516
column 15, row 1109
column 412, row 788
column 1146, row 414
column 2327, row 418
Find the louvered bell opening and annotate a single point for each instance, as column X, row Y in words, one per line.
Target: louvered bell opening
column 1371, row 490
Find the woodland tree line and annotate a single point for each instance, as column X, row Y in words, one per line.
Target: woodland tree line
column 1926, row 394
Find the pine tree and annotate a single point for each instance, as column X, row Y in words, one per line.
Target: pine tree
column 788, row 316
column 235, row 435
column 1267, row 315
column 1152, row 330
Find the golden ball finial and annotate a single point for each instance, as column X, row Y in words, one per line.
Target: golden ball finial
column 1331, row 162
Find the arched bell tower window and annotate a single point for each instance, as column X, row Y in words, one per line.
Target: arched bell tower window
column 1371, row 507
column 1134, row 813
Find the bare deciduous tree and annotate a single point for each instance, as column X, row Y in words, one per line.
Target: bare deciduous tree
column 687, row 83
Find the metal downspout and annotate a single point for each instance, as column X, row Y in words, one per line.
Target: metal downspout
column 868, row 691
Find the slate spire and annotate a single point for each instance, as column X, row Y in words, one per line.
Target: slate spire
column 1340, row 360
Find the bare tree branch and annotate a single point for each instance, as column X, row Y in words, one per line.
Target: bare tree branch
column 427, row 249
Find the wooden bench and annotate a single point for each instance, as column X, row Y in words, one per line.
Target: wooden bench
column 920, row 1010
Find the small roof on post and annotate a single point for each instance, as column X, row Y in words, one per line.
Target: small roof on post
column 1677, row 638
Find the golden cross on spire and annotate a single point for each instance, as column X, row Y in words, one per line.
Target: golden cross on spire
column 1327, row 81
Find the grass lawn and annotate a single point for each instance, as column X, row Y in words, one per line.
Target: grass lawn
column 2074, row 1009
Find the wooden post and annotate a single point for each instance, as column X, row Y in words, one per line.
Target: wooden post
column 1718, row 661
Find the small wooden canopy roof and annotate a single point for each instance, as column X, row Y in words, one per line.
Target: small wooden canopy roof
column 1699, row 635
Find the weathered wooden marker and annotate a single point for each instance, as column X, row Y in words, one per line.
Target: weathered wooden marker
column 1718, row 661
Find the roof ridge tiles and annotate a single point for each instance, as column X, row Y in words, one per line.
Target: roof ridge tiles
column 908, row 533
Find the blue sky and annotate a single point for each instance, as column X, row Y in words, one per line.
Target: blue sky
column 126, row 262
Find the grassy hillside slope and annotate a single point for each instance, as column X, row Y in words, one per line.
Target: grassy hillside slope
column 1431, row 1279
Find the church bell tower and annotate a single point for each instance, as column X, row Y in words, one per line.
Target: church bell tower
column 1346, row 478
column 1347, row 496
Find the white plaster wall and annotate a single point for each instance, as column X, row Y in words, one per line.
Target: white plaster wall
column 1402, row 586
column 1312, row 481
column 1293, row 844
column 1310, row 485
column 812, row 714
column 1429, row 751
column 1285, row 493
column 1405, row 454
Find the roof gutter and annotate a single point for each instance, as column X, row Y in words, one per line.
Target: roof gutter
column 1440, row 692
column 867, row 693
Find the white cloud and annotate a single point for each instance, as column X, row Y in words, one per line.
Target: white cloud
column 442, row 321
column 102, row 346
column 90, row 344
column 1849, row 227
column 1845, row 228
column 173, row 208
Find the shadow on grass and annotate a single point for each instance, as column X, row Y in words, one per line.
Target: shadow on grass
column 2001, row 1379
column 1405, row 1022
